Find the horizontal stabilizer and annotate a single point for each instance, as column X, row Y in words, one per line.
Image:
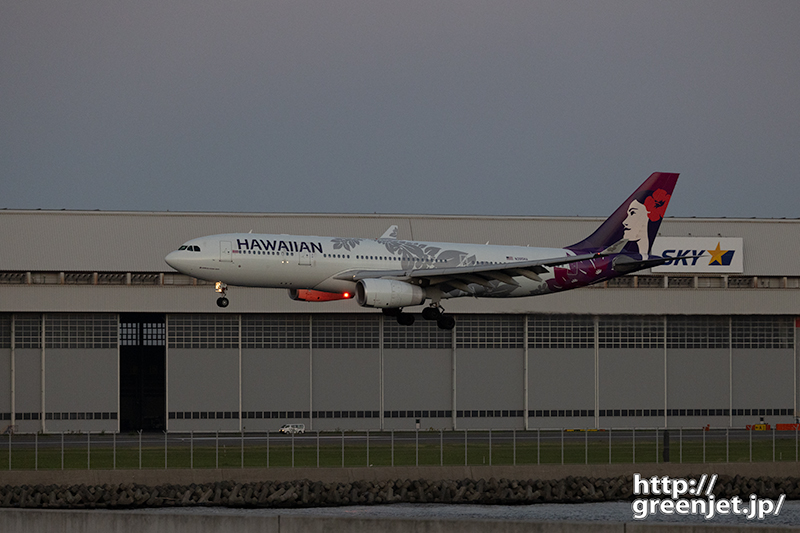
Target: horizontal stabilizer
column 614, row 248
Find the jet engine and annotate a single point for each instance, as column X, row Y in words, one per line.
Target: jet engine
column 388, row 293
column 309, row 295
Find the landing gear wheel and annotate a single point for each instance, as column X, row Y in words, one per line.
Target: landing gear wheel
column 404, row 319
column 431, row 313
column 446, row 322
column 222, row 302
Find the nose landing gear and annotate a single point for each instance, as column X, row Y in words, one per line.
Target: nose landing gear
column 221, row 288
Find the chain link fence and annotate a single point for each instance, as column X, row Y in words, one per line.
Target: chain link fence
column 101, row 451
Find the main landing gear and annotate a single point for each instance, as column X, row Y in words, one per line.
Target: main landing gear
column 404, row 319
column 434, row 312
column 221, row 288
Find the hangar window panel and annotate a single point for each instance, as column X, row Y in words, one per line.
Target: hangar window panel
column 5, row 331
column 631, row 332
column 28, row 331
column 762, row 332
column 275, row 331
column 345, row 331
column 81, row 330
column 129, row 334
column 490, row 331
column 560, row 331
column 420, row 335
column 698, row 332
column 203, row 331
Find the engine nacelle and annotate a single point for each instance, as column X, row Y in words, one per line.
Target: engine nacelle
column 309, row 295
column 388, row 293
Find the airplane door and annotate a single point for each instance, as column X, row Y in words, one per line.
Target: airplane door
column 225, row 251
column 305, row 259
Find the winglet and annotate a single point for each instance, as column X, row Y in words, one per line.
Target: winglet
column 390, row 233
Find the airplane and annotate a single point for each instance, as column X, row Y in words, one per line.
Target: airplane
column 392, row 274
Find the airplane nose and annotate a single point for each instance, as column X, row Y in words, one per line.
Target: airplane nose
column 173, row 260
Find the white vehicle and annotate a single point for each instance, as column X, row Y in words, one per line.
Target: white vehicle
column 392, row 274
column 293, row 428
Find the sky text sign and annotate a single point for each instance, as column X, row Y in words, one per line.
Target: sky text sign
column 722, row 255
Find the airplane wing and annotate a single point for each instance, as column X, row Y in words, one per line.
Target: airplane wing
column 481, row 274
column 390, row 233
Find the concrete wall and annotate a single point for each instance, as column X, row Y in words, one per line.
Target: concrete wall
column 28, row 388
column 275, row 380
column 81, row 381
column 5, row 383
column 354, row 372
column 23, row 521
column 203, row 380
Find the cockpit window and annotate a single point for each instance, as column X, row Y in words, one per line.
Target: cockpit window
column 195, row 248
column 183, row 247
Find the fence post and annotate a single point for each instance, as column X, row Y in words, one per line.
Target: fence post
column 114, row 452
column 242, row 436
column 216, row 449
column 9, row 450
column 317, row 448
column 191, row 449
column 465, row 447
column 609, row 445
column 88, row 450
column 704, row 445
column 292, row 448
column 393, row 447
column 586, row 444
column 538, row 445
column 441, row 447
column 751, row 444
column 680, row 445
column 165, row 450
column 773, row 444
column 367, row 447
column 727, row 445
column 416, row 446
column 634, row 445
column 562, row 446
column 342, row 448
column 62, row 451
column 514, row 447
column 267, row 448
column 490, row 447
column 36, row 451
column 656, row 445
column 140, row 449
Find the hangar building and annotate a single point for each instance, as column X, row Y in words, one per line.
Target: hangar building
column 97, row 333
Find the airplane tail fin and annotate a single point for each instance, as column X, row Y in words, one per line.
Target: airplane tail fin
column 637, row 220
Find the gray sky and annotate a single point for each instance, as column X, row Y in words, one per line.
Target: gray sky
column 491, row 107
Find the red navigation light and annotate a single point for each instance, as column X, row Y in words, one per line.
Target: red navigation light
column 346, row 295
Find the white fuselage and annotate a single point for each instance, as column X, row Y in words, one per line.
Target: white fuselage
column 310, row 262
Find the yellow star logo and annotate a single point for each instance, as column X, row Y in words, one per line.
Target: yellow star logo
column 716, row 255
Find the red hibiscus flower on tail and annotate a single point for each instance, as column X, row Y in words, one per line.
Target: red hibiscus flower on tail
column 657, row 205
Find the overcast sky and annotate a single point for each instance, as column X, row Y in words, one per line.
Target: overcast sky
column 471, row 107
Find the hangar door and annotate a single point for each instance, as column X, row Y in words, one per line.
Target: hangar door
column 142, row 372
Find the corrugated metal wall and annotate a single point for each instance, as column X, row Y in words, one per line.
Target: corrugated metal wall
column 137, row 242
